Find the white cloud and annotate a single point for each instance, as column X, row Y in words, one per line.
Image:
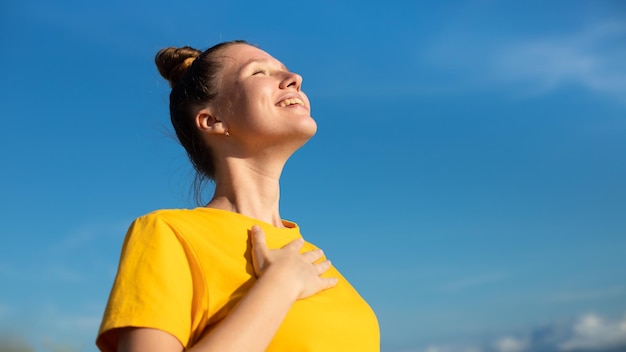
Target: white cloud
column 592, row 332
column 437, row 349
column 511, row 344
column 451, row 348
column 593, row 58
column 588, row 333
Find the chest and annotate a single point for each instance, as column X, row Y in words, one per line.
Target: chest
column 337, row 319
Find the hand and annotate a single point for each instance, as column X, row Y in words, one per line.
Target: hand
column 295, row 268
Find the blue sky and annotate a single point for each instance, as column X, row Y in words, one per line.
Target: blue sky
column 467, row 175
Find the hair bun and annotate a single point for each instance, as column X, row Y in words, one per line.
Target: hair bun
column 173, row 62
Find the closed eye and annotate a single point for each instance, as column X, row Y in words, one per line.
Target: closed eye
column 259, row 71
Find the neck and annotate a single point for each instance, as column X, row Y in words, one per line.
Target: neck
column 248, row 188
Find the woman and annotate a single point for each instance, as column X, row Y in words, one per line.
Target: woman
column 232, row 276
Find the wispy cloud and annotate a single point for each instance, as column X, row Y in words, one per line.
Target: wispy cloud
column 46, row 272
column 451, row 348
column 86, row 235
column 96, row 246
column 590, row 332
column 592, row 58
column 585, row 295
column 448, row 348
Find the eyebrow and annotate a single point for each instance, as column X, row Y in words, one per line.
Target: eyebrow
column 264, row 61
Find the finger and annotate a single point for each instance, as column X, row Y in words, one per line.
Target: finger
column 258, row 238
column 314, row 255
column 260, row 251
column 294, row 245
column 323, row 267
column 329, row 282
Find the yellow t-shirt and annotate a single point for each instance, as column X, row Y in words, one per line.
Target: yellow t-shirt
column 183, row 270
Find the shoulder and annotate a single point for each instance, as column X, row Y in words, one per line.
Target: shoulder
column 166, row 218
column 184, row 224
column 183, row 214
column 162, row 215
column 158, row 226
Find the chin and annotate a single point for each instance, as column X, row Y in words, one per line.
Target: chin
column 309, row 127
column 312, row 128
column 303, row 134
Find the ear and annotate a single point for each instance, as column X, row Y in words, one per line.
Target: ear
column 206, row 122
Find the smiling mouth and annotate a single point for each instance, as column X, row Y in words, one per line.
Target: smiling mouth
column 290, row 101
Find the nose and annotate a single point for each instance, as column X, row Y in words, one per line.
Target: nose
column 291, row 79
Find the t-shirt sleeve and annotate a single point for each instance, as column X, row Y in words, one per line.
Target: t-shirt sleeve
column 153, row 287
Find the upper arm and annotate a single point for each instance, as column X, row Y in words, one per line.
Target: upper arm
column 147, row 340
column 153, row 287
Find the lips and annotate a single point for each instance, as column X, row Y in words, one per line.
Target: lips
column 291, row 100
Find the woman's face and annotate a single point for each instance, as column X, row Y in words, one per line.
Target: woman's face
column 260, row 101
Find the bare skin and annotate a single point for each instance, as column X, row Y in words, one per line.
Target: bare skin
column 249, row 161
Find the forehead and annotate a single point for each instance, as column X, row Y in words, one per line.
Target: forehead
column 238, row 56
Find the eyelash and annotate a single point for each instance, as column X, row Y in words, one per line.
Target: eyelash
column 260, row 70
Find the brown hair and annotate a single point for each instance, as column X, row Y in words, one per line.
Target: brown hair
column 193, row 76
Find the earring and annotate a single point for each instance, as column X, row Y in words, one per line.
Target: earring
column 227, row 134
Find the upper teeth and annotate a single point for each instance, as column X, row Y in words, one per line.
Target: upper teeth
column 290, row 101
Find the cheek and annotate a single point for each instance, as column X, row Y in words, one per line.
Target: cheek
column 257, row 99
column 250, row 103
column 249, row 110
column 237, row 103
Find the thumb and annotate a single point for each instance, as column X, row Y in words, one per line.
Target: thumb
column 260, row 251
